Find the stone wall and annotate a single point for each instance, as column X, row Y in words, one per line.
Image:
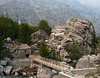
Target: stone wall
column 22, row 53
column 77, row 72
column 64, row 75
column 21, row 63
column 84, row 71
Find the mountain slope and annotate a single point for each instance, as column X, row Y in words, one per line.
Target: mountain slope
column 56, row 12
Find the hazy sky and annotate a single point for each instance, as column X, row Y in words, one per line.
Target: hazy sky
column 93, row 3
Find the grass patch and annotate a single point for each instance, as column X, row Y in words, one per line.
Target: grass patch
column 90, row 74
column 94, row 75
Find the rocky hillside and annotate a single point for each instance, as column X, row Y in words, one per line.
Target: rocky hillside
column 56, row 12
column 75, row 31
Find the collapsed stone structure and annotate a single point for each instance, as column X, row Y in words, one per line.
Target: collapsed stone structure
column 75, row 31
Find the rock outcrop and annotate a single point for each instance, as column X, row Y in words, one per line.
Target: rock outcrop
column 5, row 66
column 1, row 69
column 80, row 32
column 75, row 31
column 88, row 61
column 39, row 36
column 44, row 72
column 8, row 69
column 3, row 62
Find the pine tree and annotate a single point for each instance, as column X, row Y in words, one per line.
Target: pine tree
column 1, row 43
column 75, row 52
column 45, row 26
column 8, row 28
column 44, row 50
column 24, row 34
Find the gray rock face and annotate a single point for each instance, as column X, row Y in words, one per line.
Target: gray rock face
column 80, row 32
column 3, row 62
column 2, row 76
column 87, row 62
column 39, row 36
column 75, row 31
column 98, row 57
column 44, row 72
column 8, row 69
column 1, row 70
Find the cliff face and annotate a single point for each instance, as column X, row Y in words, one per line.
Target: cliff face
column 75, row 31
column 81, row 32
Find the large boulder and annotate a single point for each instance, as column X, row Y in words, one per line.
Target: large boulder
column 44, row 72
column 98, row 58
column 8, row 69
column 87, row 62
column 1, row 69
column 3, row 62
column 16, row 74
column 39, row 36
column 1, row 76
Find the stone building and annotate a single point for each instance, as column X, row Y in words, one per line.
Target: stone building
column 23, row 50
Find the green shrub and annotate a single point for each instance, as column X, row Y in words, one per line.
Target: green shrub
column 93, row 51
column 26, row 67
column 90, row 74
column 44, row 50
column 74, row 52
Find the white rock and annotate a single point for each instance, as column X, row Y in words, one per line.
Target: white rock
column 3, row 62
column 54, row 71
column 16, row 74
column 46, row 41
column 8, row 38
column 31, row 77
column 24, row 74
column 98, row 57
column 1, row 70
column 59, row 47
column 8, row 69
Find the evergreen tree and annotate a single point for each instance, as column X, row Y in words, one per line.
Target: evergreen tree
column 44, row 50
column 45, row 26
column 75, row 52
column 1, row 48
column 24, row 34
column 1, row 44
column 8, row 28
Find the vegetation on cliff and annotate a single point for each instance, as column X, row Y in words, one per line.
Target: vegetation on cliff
column 44, row 50
column 48, row 52
column 75, row 52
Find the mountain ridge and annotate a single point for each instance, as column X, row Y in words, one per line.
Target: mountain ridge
column 55, row 12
